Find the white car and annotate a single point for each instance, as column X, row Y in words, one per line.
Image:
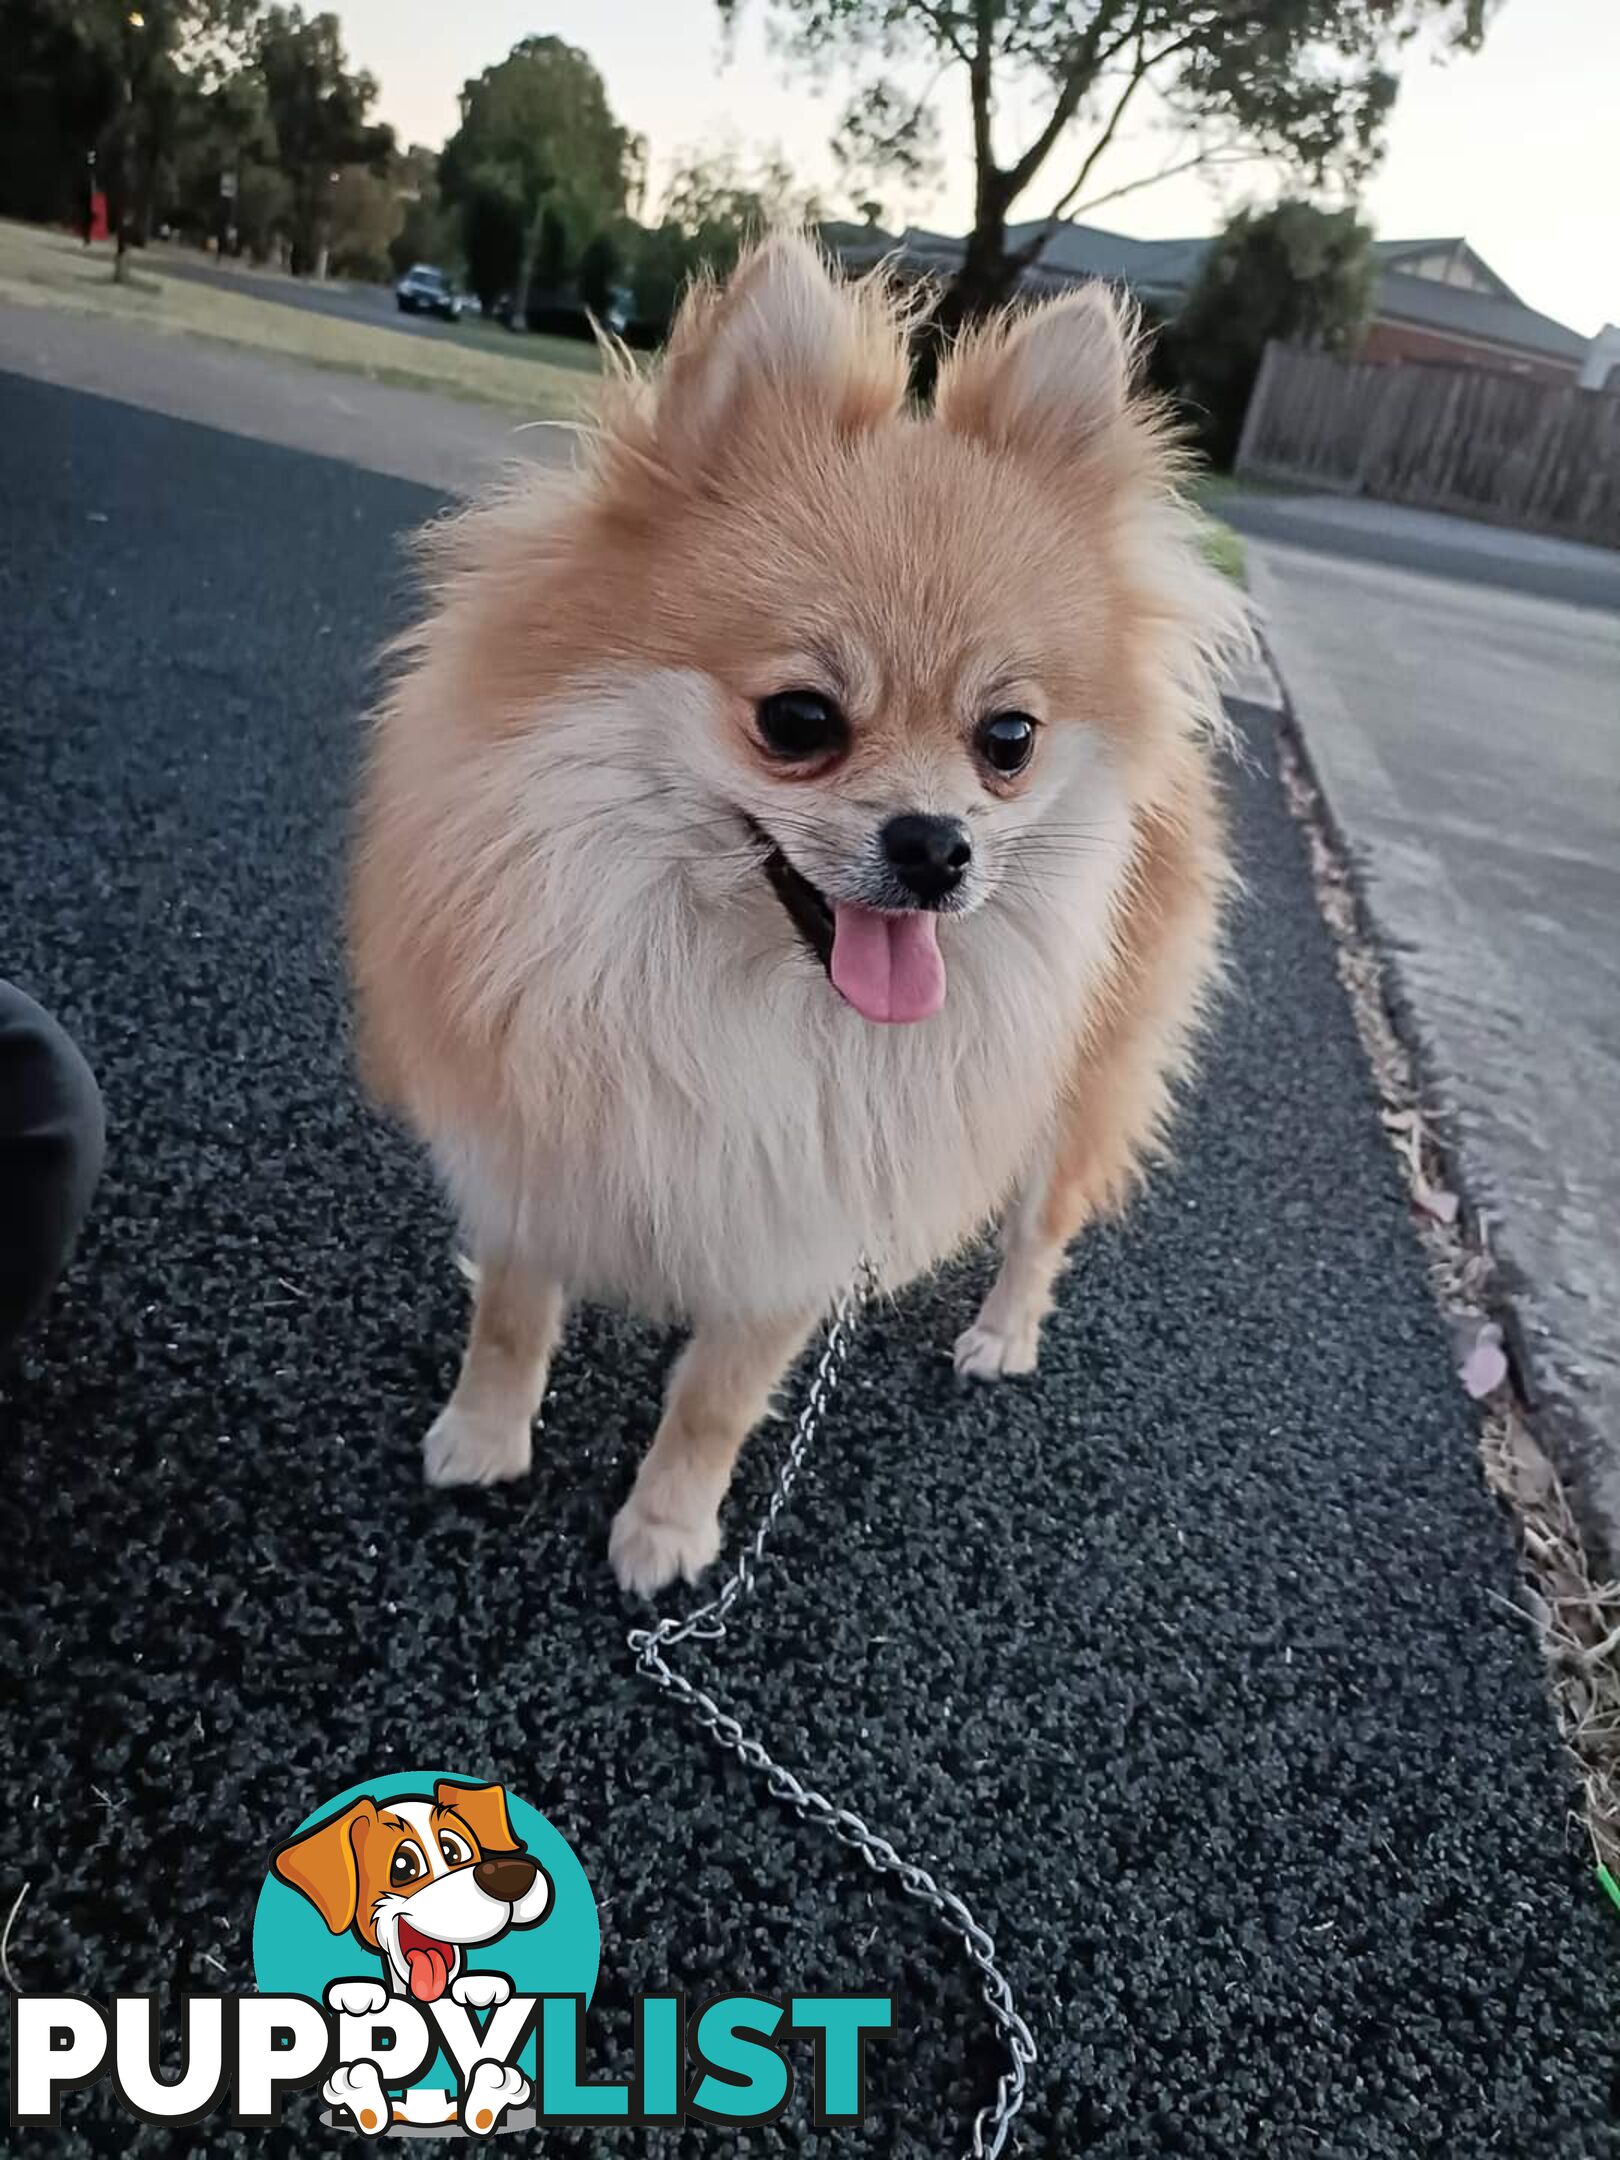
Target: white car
column 426, row 291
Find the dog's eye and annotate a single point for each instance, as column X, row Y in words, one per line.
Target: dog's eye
column 1007, row 742
column 454, row 1851
column 406, row 1866
column 801, row 724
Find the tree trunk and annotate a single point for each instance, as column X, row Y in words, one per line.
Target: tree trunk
column 985, row 282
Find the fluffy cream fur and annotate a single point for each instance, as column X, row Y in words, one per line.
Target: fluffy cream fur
column 574, row 978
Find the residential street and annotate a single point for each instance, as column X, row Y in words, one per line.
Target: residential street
column 1468, row 738
column 1191, row 1662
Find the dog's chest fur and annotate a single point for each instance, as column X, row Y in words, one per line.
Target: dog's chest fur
column 701, row 1127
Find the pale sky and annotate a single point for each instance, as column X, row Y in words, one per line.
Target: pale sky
column 1518, row 148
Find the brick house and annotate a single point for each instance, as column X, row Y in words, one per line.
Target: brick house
column 1437, row 304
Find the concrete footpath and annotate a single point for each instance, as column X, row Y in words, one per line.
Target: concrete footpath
column 1468, row 738
column 445, row 443
column 1191, row 1661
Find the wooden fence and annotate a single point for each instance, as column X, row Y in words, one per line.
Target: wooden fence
column 1492, row 446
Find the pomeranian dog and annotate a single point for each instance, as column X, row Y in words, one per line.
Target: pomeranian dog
column 793, row 838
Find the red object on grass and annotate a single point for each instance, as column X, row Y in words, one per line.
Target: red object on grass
column 99, row 227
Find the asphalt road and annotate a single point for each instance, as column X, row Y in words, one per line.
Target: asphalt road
column 372, row 304
column 1468, row 738
column 1187, row 1661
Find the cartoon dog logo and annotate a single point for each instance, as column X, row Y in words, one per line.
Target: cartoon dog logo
column 418, row 1880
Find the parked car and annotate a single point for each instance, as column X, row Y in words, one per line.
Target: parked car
column 562, row 313
column 426, row 291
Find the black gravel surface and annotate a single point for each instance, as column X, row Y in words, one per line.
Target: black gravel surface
column 1187, row 1661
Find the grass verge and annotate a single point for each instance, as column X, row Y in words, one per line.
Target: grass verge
column 41, row 268
column 1223, row 547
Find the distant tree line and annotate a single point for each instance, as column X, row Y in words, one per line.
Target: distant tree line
column 217, row 119
column 244, row 126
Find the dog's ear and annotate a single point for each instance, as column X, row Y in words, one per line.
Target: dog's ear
column 1051, row 381
column 783, row 336
column 324, row 1864
column 483, row 1809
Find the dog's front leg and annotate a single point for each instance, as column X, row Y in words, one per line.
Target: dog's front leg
column 1006, row 1337
column 720, row 1389
column 485, row 1432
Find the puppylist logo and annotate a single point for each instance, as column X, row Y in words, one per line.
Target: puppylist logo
column 425, row 1947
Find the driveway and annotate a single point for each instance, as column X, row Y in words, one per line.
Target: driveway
column 1467, row 733
column 1190, row 1660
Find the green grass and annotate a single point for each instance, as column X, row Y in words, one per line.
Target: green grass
column 1223, row 547
column 39, row 268
column 478, row 335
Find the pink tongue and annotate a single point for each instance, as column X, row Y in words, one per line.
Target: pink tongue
column 887, row 966
column 430, row 1969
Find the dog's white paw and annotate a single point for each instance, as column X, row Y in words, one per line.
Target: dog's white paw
column 984, row 1352
column 357, row 2089
column 481, row 1990
column 357, row 1998
column 471, row 1447
column 648, row 1551
column 491, row 2090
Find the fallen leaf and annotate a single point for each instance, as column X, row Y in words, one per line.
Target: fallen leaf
column 1435, row 1200
column 1485, row 1368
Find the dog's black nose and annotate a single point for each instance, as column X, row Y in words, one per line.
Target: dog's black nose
column 506, row 1875
column 927, row 854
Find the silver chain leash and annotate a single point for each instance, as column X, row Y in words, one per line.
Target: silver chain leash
column 707, row 1623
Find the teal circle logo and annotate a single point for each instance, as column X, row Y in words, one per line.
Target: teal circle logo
column 418, row 1883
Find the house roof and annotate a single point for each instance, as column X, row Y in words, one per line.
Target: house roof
column 1459, row 312
column 1150, row 267
column 846, row 236
column 1163, row 270
column 1391, row 254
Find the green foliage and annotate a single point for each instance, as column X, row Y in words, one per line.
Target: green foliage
column 319, row 112
column 365, row 218
column 227, row 142
column 599, row 265
column 429, row 230
column 58, row 93
column 1293, row 272
column 537, row 135
column 105, row 78
column 553, row 252
column 494, row 236
column 263, row 209
column 1309, row 81
column 712, row 208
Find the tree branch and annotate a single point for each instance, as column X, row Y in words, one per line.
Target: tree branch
column 1169, row 172
column 1099, row 148
column 1089, row 56
column 943, row 22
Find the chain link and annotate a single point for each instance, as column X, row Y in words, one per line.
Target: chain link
column 992, row 2126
